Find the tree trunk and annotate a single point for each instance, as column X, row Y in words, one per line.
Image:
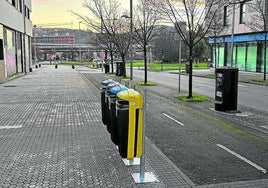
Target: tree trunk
column 123, row 65
column 112, row 61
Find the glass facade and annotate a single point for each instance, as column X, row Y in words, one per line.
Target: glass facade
column 240, row 57
column 221, row 57
column 251, row 57
column 10, row 52
column 245, row 56
column 19, row 52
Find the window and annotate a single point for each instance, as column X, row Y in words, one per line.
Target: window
column 27, row 12
column 242, row 13
column 14, row 3
column 20, row 5
column 225, row 16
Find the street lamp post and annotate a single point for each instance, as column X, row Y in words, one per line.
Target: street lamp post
column 79, row 42
column 131, row 36
column 180, row 66
column 233, row 25
column 232, row 37
column 265, row 42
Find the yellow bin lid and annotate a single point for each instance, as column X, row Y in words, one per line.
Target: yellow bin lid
column 133, row 97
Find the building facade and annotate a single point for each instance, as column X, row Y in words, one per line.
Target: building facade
column 240, row 41
column 15, row 38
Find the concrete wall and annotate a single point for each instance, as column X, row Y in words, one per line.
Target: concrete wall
column 241, row 28
column 12, row 18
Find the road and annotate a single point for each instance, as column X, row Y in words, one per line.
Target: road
column 208, row 151
column 205, row 148
column 250, row 95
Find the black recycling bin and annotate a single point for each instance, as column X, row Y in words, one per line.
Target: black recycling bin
column 122, row 115
column 119, row 68
column 107, row 97
column 112, row 125
column 187, row 68
column 129, row 114
column 104, row 103
column 226, row 89
column 107, row 67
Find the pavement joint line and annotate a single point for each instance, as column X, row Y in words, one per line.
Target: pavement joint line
column 11, row 127
column 243, row 159
column 265, row 127
column 182, row 124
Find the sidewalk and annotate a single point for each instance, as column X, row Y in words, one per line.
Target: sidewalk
column 248, row 118
column 52, row 136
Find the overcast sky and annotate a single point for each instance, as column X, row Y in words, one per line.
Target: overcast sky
column 57, row 11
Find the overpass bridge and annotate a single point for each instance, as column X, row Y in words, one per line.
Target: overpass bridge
column 51, row 47
column 72, row 51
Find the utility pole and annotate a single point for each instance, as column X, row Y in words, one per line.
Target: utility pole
column 265, row 38
column 79, row 42
column 232, row 37
column 131, row 36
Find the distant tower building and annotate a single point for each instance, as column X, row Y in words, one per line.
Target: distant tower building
column 15, row 35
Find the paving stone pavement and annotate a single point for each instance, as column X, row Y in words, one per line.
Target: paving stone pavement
column 51, row 135
column 252, row 119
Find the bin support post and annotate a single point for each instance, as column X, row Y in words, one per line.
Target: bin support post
column 143, row 177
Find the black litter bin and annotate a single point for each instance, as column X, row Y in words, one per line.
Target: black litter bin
column 129, row 114
column 187, row 68
column 122, row 115
column 112, row 125
column 119, row 68
column 226, row 89
column 107, row 67
column 104, row 103
column 108, row 94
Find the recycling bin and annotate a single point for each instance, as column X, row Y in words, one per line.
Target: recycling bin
column 187, row 67
column 226, row 89
column 129, row 114
column 111, row 112
column 108, row 94
column 107, row 67
column 105, row 83
column 119, row 68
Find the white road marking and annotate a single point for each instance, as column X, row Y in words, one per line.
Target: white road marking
column 239, row 85
column 243, row 159
column 173, row 119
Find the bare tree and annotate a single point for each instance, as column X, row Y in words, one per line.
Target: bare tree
column 259, row 21
column 144, row 25
column 105, row 20
column 197, row 17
